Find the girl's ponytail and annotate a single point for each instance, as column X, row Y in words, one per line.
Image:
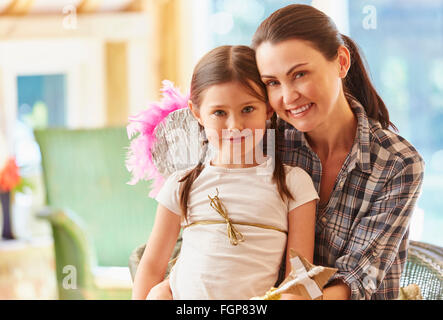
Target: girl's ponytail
column 279, row 174
column 358, row 84
column 187, row 181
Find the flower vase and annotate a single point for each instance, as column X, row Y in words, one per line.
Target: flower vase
column 5, row 198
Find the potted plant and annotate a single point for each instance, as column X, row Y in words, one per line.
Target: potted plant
column 10, row 183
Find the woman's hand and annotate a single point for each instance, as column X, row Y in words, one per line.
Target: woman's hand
column 161, row 291
column 290, row 296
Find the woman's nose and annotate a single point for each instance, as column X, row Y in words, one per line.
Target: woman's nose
column 290, row 95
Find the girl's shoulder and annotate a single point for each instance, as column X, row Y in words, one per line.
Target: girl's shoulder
column 296, row 174
column 300, row 185
column 293, row 169
column 180, row 174
column 175, row 176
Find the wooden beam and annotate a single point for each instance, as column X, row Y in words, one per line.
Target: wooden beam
column 170, row 43
column 169, row 40
column 111, row 26
column 137, row 6
column 88, row 6
column 117, row 89
column 18, row 8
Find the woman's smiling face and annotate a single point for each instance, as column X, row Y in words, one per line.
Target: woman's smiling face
column 302, row 85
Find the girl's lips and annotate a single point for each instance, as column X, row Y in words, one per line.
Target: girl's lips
column 237, row 140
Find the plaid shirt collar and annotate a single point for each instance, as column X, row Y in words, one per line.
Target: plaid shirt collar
column 362, row 156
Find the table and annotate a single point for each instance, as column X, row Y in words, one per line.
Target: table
column 27, row 269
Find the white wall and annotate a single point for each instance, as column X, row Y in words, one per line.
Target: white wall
column 80, row 59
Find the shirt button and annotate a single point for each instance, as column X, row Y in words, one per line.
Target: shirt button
column 374, row 253
column 324, row 220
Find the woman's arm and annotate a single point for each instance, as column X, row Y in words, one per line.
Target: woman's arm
column 161, row 291
column 337, row 290
column 154, row 262
column 376, row 246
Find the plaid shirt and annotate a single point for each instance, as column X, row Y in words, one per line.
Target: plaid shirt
column 363, row 230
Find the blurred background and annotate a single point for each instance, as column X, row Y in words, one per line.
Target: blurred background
column 89, row 64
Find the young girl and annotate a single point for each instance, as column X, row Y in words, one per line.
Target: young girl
column 238, row 216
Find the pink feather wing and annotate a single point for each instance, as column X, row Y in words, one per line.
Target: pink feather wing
column 143, row 125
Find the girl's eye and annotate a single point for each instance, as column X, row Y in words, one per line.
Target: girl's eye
column 271, row 83
column 248, row 109
column 219, row 113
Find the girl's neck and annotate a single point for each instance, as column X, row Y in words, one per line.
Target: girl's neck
column 336, row 135
column 219, row 161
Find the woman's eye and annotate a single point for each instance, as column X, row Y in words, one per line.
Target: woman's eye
column 219, row 113
column 299, row 75
column 248, row 109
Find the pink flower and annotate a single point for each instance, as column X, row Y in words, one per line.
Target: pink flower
column 9, row 176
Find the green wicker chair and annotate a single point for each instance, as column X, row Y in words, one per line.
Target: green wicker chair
column 424, row 268
column 137, row 254
column 96, row 217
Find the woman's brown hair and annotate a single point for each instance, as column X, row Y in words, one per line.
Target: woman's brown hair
column 221, row 65
column 307, row 23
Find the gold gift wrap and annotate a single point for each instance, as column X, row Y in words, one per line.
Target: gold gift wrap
column 298, row 280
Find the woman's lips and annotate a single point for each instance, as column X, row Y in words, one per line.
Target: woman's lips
column 300, row 112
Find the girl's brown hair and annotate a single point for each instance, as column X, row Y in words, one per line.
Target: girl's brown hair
column 221, row 65
column 304, row 22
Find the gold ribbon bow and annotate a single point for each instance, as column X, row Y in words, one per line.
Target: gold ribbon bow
column 234, row 236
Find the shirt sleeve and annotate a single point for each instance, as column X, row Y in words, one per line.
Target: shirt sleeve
column 375, row 242
column 300, row 185
column 169, row 194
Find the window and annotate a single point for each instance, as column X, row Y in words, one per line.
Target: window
column 42, row 91
column 41, row 103
column 403, row 45
column 233, row 22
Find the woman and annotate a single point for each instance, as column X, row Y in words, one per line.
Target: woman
column 335, row 126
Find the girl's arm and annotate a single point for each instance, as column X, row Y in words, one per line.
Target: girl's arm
column 301, row 232
column 301, row 237
column 154, row 262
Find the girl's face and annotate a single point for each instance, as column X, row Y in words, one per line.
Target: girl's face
column 234, row 121
column 303, row 86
